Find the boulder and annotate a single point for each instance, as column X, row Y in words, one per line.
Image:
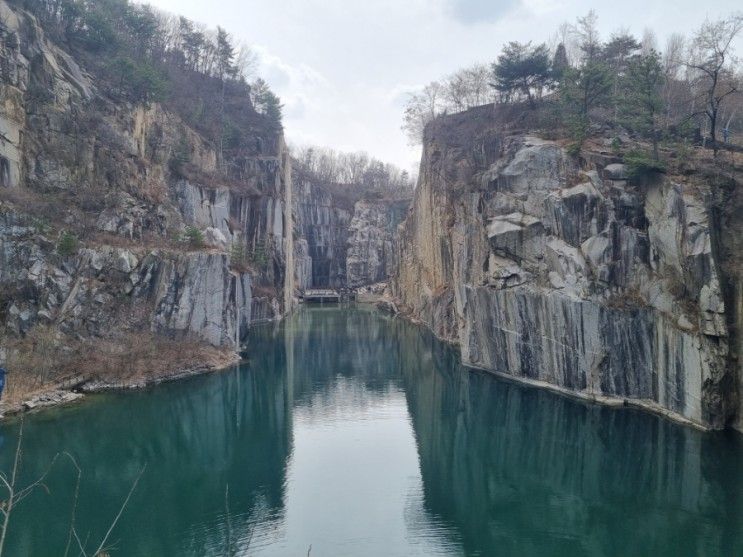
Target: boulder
column 214, row 238
column 615, row 172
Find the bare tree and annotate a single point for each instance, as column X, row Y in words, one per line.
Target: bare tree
column 712, row 63
column 675, row 88
column 422, row 108
column 103, row 548
column 15, row 494
column 468, row 88
column 673, row 55
column 246, row 62
column 588, row 35
column 567, row 35
column 649, row 42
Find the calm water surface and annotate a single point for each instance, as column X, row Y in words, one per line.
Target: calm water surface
column 359, row 434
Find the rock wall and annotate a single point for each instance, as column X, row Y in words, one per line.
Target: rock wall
column 124, row 183
column 103, row 290
column 342, row 243
column 566, row 274
column 321, row 224
column 370, row 254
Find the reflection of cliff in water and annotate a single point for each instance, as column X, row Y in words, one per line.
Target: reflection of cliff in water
column 299, row 436
column 196, row 437
column 519, row 469
column 328, row 345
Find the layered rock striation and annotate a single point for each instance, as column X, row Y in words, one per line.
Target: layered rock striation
column 122, row 217
column 321, row 223
column 343, row 241
column 565, row 273
column 371, row 233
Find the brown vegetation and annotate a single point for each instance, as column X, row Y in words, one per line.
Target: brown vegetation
column 45, row 359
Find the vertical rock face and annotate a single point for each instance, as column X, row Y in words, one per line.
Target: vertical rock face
column 321, row 223
column 99, row 290
column 370, row 255
column 105, row 174
column 341, row 243
column 569, row 275
column 257, row 223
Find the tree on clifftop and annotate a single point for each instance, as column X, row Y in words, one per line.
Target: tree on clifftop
column 713, row 63
column 266, row 102
column 641, row 101
column 522, row 70
column 560, row 62
column 616, row 55
column 582, row 90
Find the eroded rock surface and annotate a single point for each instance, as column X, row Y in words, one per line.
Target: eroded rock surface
column 99, row 197
column 569, row 275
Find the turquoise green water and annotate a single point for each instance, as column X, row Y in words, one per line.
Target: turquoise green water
column 358, row 434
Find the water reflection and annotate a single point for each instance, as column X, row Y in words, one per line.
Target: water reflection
column 361, row 435
column 196, row 438
column 520, row 471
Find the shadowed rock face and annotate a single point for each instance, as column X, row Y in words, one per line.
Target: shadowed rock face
column 321, row 226
column 341, row 243
column 574, row 277
column 370, row 255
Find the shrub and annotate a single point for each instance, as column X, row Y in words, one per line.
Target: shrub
column 574, row 149
column 137, row 80
column 259, row 257
column 67, row 244
column 238, row 256
column 180, row 157
column 641, row 165
column 194, row 237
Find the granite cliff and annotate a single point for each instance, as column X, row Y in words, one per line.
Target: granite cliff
column 134, row 228
column 561, row 271
column 344, row 235
column 121, row 220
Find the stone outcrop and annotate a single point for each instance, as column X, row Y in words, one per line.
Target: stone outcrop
column 125, row 184
column 567, row 274
column 98, row 290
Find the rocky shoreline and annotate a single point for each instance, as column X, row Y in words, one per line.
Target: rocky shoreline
column 388, row 305
column 74, row 391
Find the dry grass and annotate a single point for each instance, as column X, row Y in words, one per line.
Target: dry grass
column 45, row 360
column 139, row 357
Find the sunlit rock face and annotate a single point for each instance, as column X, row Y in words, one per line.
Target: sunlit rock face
column 563, row 272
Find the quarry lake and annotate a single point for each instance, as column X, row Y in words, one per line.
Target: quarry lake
column 356, row 433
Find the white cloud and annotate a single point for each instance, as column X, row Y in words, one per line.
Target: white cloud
column 343, row 68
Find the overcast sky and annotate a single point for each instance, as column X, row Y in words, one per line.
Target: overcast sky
column 343, row 68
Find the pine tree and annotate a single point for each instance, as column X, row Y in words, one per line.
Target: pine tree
column 616, row 55
column 225, row 55
column 560, row 62
column 641, row 101
column 522, row 69
column 266, row 102
column 582, row 90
